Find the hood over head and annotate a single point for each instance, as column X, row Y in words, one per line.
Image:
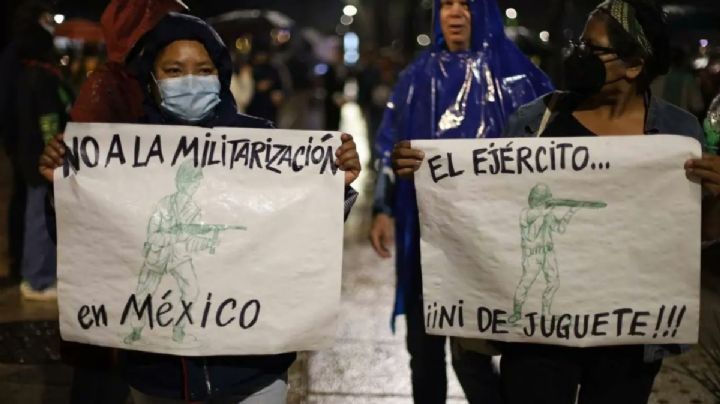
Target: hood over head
column 175, row 27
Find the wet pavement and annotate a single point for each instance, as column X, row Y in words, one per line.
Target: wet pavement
column 368, row 364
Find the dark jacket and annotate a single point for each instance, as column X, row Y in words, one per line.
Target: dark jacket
column 10, row 68
column 662, row 118
column 42, row 110
column 198, row 378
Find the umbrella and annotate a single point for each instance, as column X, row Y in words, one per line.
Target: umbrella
column 234, row 24
column 81, row 30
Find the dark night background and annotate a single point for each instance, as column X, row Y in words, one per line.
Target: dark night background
column 378, row 22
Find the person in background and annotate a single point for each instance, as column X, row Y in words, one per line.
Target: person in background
column 458, row 89
column 268, row 94
column 41, row 105
column 112, row 93
column 185, row 71
column 710, row 75
column 10, row 68
column 242, row 85
column 375, row 82
column 680, row 86
column 334, row 84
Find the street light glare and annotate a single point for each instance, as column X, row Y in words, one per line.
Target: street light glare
column 423, row 40
column 59, row 18
column 346, row 20
column 350, row 10
column 511, row 13
column 545, row 36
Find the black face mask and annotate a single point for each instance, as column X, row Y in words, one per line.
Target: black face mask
column 585, row 73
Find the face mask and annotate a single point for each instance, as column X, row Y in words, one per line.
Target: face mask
column 585, row 73
column 189, row 98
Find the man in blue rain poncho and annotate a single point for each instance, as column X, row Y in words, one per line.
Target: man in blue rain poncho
column 466, row 86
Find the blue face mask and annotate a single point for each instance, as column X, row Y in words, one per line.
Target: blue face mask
column 189, row 98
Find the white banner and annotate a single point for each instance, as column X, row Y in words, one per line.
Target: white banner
column 194, row 241
column 569, row 241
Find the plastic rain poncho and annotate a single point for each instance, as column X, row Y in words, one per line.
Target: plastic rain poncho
column 445, row 95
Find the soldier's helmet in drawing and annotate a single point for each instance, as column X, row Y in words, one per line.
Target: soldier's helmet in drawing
column 539, row 195
column 188, row 174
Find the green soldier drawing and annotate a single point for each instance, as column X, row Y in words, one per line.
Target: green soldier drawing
column 174, row 234
column 538, row 222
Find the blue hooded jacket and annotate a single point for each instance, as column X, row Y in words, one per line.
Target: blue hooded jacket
column 446, row 95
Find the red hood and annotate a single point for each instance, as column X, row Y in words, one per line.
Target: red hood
column 124, row 22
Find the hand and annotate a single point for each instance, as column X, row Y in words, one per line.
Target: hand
column 52, row 157
column 406, row 160
column 381, row 234
column 348, row 159
column 705, row 170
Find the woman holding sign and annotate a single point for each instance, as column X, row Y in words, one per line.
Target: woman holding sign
column 623, row 48
column 185, row 72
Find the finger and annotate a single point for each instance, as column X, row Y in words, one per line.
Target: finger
column 350, row 165
column 405, row 172
column 349, row 155
column 407, row 163
column 56, row 158
column 383, row 252
column 346, row 137
column 47, row 174
column 48, row 162
column 52, row 154
column 57, row 147
column 409, row 153
column 690, row 176
column 705, row 175
column 375, row 241
column 350, row 146
column 347, row 160
column 703, row 163
column 384, row 243
column 353, row 164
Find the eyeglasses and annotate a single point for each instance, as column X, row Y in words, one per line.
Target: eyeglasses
column 587, row 46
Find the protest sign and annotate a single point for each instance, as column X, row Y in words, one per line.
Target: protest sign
column 196, row 241
column 572, row 241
